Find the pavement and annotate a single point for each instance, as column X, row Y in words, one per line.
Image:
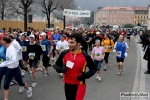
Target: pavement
column 132, row 79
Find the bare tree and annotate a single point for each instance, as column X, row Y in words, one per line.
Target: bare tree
column 24, row 7
column 48, row 7
column 66, row 4
column 5, row 8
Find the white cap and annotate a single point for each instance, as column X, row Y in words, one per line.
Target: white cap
column 97, row 32
column 31, row 36
column 43, row 33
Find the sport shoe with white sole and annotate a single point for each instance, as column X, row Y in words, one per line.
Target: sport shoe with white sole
column 61, row 75
column 105, row 68
column 34, row 84
column 119, row 73
column 43, row 70
column 30, row 75
column 29, row 92
column 122, row 69
column 21, row 88
column 99, row 78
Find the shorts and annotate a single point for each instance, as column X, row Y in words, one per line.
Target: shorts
column 34, row 63
column 98, row 64
column 25, row 57
column 45, row 61
column 120, row 59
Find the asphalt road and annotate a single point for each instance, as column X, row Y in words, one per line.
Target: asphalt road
column 52, row 88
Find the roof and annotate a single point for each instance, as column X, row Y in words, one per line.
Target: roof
column 117, row 8
column 140, row 8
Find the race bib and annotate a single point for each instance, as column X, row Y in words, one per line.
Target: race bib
column 55, row 41
column 90, row 38
column 24, row 48
column 118, row 53
column 61, row 47
column 1, row 60
column 105, row 47
column 98, row 54
column 31, row 55
column 43, row 47
column 70, row 64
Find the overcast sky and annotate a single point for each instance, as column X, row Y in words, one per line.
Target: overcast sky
column 94, row 4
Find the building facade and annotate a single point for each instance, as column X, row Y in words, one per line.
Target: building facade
column 141, row 15
column 114, row 16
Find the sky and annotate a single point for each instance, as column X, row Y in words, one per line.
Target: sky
column 94, row 4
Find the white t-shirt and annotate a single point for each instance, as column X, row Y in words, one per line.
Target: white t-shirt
column 11, row 58
column 62, row 45
column 17, row 46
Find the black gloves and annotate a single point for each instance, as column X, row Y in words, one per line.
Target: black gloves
column 59, row 69
column 82, row 77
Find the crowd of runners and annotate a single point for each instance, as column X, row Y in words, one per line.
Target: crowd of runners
column 69, row 51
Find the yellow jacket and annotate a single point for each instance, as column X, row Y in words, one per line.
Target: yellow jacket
column 106, row 43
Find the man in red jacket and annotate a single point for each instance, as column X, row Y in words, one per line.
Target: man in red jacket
column 73, row 64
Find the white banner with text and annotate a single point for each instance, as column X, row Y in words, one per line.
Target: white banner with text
column 77, row 13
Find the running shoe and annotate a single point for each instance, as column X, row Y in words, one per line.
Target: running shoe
column 61, row 75
column 34, row 84
column 23, row 74
column 30, row 75
column 29, row 92
column 21, row 88
column 122, row 69
column 99, row 78
column 105, row 68
column 119, row 73
column 43, row 70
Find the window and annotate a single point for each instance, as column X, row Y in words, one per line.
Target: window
column 138, row 17
column 141, row 17
column 110, row 20
column 99, row 19
column 135, row 22
column 115, row 20
column 123, row 20
column 119, row 20
column 110, row 15
column 135, row 17
column 144, row 17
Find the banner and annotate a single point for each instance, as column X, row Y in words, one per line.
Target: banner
column 77, row 13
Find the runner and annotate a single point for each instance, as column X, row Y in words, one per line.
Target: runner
column 56, row 38
column 47, row 50
column 13, row 69
column 17, row 46
column 128, row 35
column 61, row 46
column 34, row 52
column 73, row 64
column 121, row 48
column 24, row 44
column 97, row 55
column 107, row 43
column 2, row 59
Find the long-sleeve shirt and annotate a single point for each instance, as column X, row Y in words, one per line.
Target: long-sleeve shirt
column 11, row 58
column 17, row 46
